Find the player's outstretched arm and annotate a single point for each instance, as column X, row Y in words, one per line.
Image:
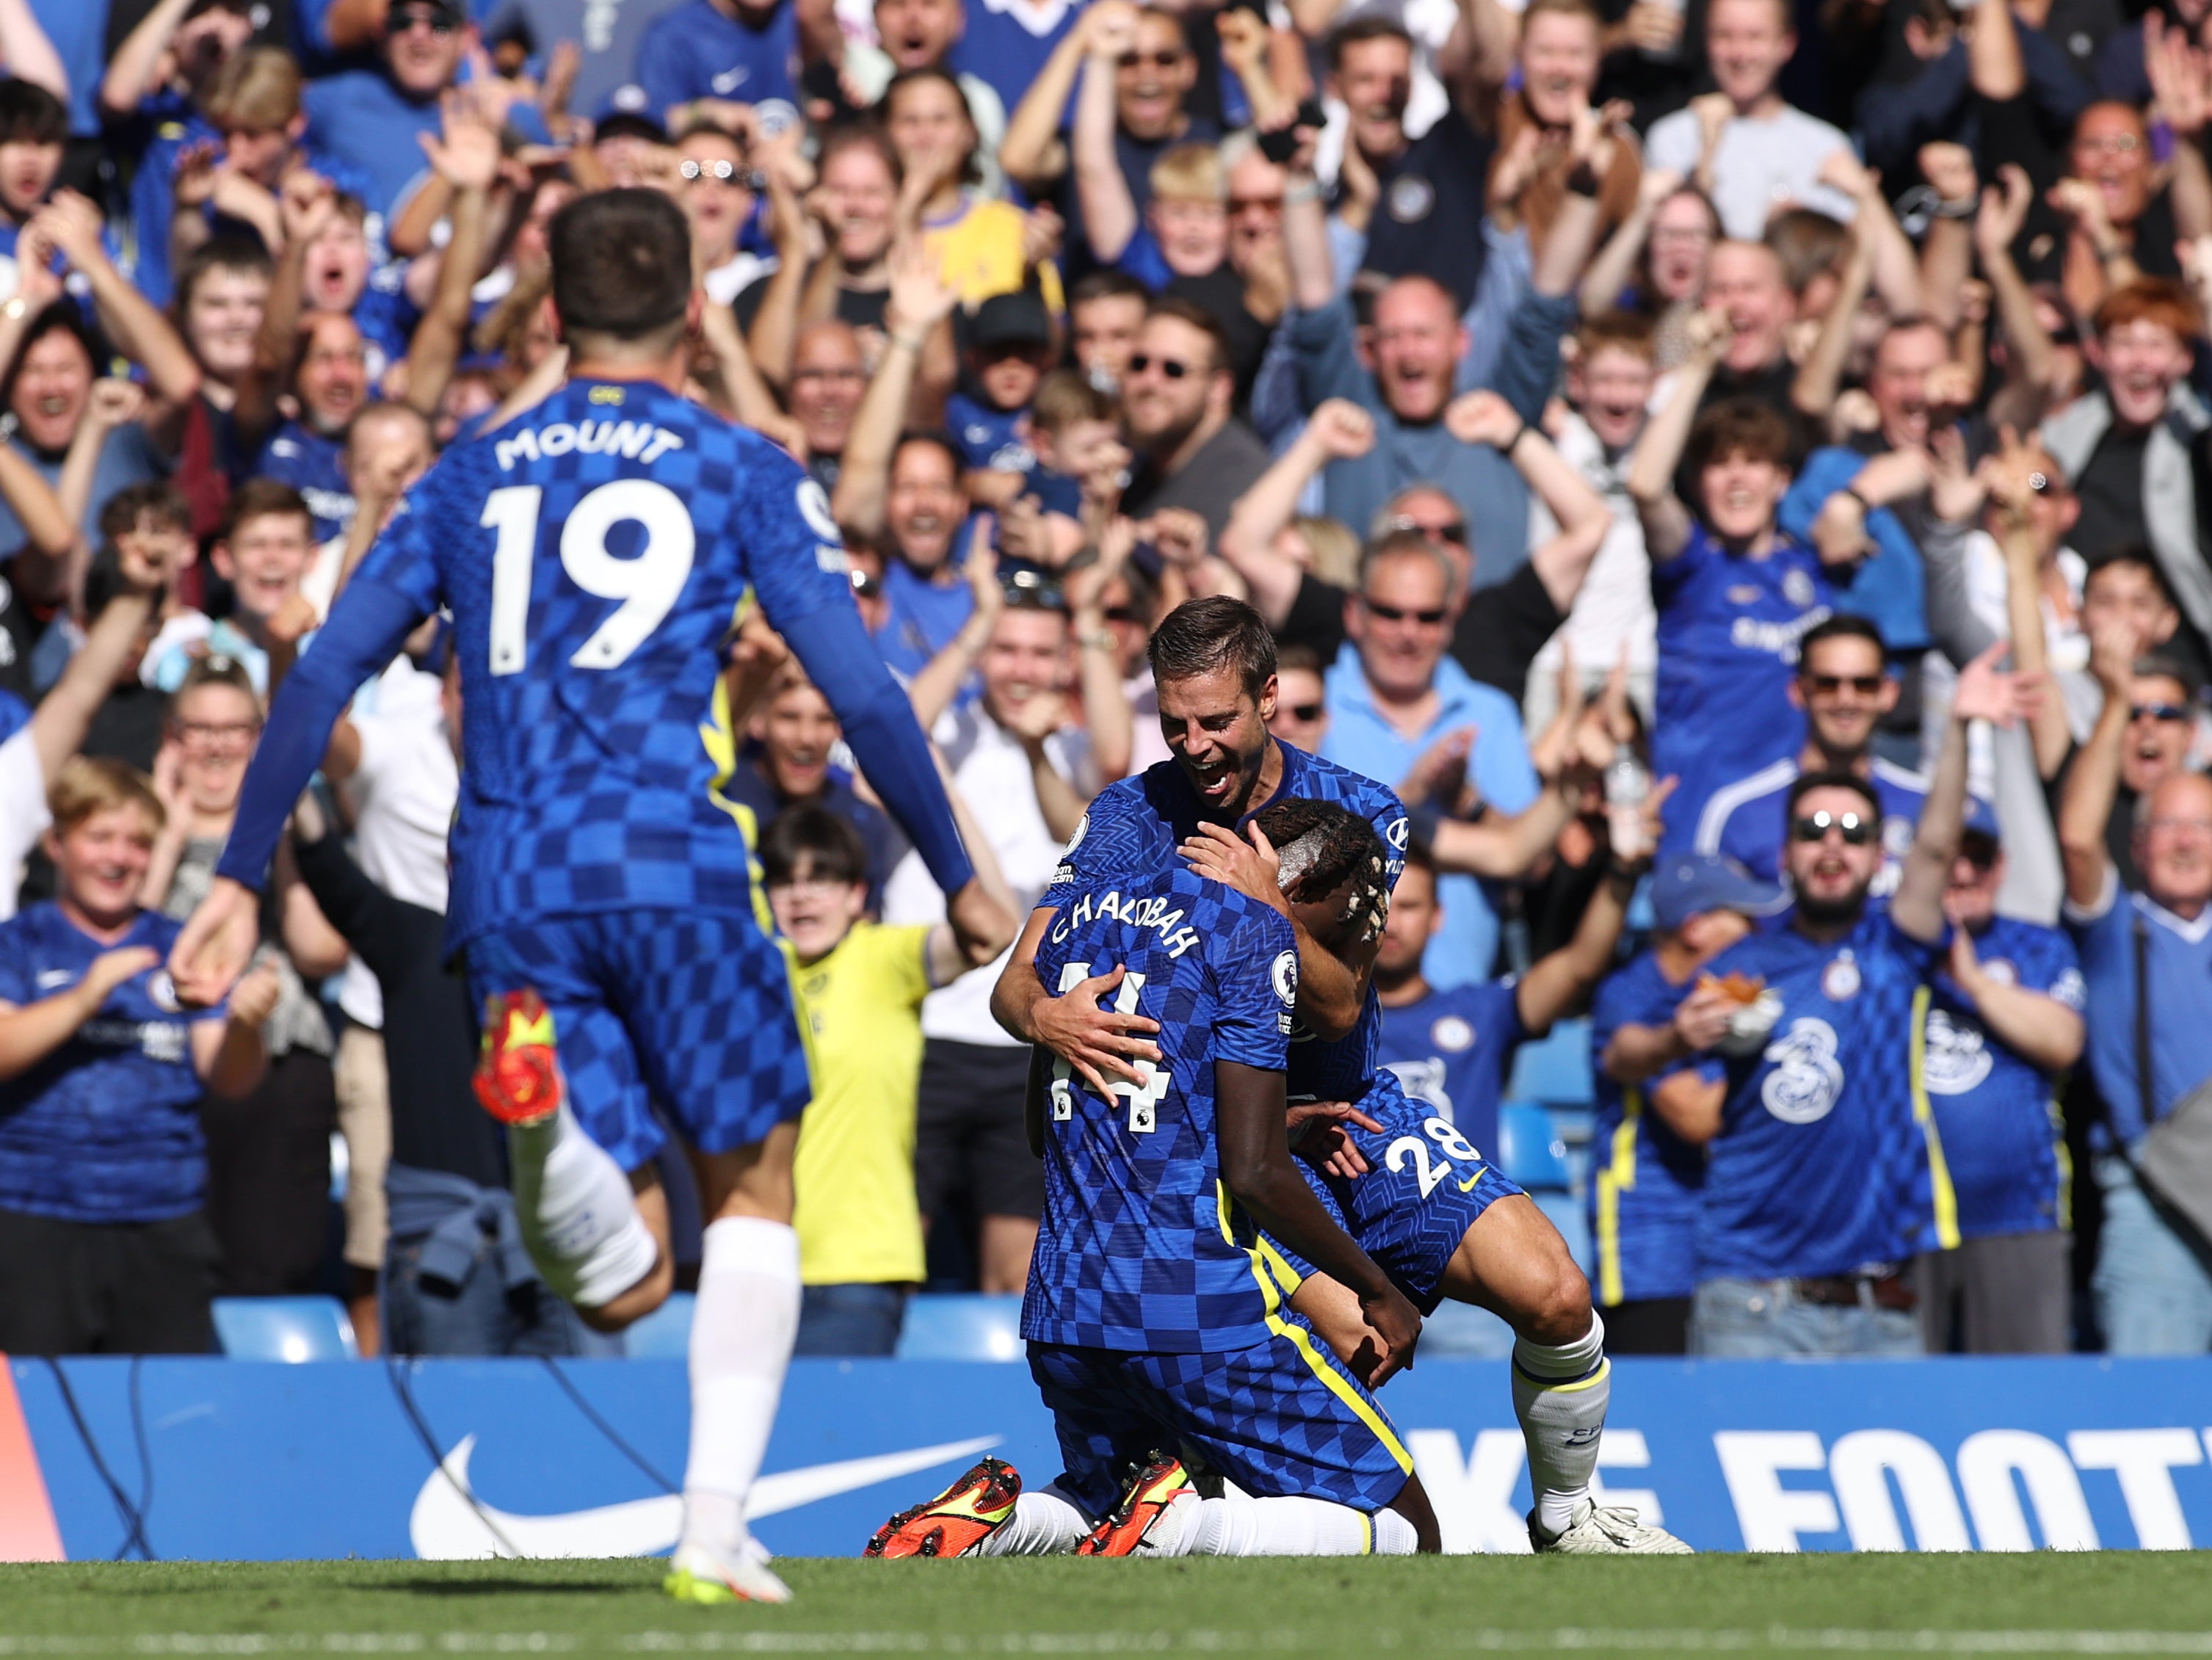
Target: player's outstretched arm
column 1256, row 1169
column 367, row 626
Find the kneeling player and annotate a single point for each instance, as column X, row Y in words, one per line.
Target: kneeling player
column 1156, row 1329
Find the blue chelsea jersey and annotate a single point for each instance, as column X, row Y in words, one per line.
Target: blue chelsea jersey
column 1134, row 827
column 1644, row 1179
column 106, row 1129
column 1140, row 1248
column 1820, row 1166
column 1728, row 632
column 1453, row 1051
column 595, row 554
column 1995, row 1114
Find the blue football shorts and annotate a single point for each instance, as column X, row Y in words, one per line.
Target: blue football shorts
column 691, row 1010
column 1425, row 1185
column 1281, row 1419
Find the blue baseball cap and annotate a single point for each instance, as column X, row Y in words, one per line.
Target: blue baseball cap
column 1692, row 883
column 1981, row 820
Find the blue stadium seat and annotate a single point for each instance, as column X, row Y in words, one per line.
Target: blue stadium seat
column 1567, row 1215
column 1556, row 1071
column 962, row 1326
column 284, row 1328
column 1529, row 1150
column 664, row 1335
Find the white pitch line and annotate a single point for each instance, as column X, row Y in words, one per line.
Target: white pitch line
column 1573, row 1639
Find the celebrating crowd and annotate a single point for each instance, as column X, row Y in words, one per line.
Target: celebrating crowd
column 1785, row 430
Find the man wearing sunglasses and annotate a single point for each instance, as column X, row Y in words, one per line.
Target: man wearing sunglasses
column 2147, row 960
column 1842, row 685
column 369, row 118
column 1817, row 1180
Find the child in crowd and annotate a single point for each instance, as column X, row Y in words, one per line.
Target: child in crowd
column 1010, row 347
column 861, row 986
column 1082, row 463
column 103, row 1169
column 263, row 556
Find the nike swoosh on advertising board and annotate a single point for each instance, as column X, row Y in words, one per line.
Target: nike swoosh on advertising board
column 450, row 1524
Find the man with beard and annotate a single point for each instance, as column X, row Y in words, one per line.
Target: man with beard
column 1819, row 1172
column 1844, row 686
column 1176, row 398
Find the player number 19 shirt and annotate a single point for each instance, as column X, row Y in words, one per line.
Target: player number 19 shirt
column 594, row 553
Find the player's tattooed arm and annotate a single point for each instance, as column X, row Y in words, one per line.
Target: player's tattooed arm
column 1256, row 1169
column 1099, row 1044
column 1332, row 981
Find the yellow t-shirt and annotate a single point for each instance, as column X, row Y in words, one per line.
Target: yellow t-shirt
column 853, row 1174
column 979, row 253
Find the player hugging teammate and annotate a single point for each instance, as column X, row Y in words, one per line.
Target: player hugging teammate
column 1208, row 1318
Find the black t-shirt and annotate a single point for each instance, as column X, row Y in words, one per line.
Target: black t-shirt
column 1220, row 294
column 1428, row 220
column 2111, row 491
column 862, row 307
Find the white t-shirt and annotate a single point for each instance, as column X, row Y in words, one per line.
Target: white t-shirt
column 401, row 797
column 2066, row 648
column 23, row 815
column 1762, row 165
column 991, row 774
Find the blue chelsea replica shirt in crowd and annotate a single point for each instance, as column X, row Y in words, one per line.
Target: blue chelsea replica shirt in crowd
column 614, row 526
column 1140, row 1246
column 1453, row 1051
column 1134, row 828
column 1729, row 628
column 1996, row 1115
column 1820, row 1167
column 990, row 440
column 1644, row 1179
column 700, row 50
column 1746, row 819
column 107, row 1127
column 2178, row 952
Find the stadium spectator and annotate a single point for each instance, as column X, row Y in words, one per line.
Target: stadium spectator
column 1843, row 685
column 2143, row 963
column 788, row 765
column 2003, row 1024
column 1646, row 1181
column 695, row 56
column 1394, row 693
column 103, row 1168
column 854, row 207
column 1817, row 1183
column 371, row 119
column 269, row 1147
column 861, row 987
column 1744, row 144
column 1106, row 315
column 1177, row 390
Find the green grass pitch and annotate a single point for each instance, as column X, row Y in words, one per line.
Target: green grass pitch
column 2102, row 1604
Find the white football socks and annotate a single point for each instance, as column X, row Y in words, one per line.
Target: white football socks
column 1237, row 1524
column 578, row 1215
column 1046, row 1522
column 742, row 1328
column 1559, row 1395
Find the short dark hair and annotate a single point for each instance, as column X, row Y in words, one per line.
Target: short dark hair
column 812, row 835
column 1369, row 26
column 1201, row 637
column 2140, row 556
column 1347, row 845
column 265, row 498
column 1737, row 426
column 2164, row 666
column 933, row 439
column 1107, row 285
column 1807, row 783
column 29, row 114
column 154, row 498
column 1184, row 311
column 238, row 253
column 1840, row 627
column 621, row 263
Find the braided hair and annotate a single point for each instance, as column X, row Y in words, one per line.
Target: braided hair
column 1323, row 847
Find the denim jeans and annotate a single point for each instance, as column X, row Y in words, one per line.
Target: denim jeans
column 2154, row 1297
column 1766, row 1320
column 850, row 1319
column 483, row 1317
